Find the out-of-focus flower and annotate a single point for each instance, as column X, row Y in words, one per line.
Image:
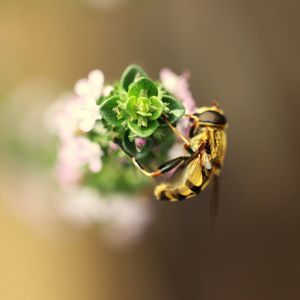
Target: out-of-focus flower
column 113, row 146
column 78, row 110
column 73, row 155
column 68, row 175
column 89, row 91
column 124, row 218
column 129, row 219
column 179, row 87
column 82, row 207
column 62, row 116
column 81, row 151
column 87, row 115
column 90, row 87
column 107, row 90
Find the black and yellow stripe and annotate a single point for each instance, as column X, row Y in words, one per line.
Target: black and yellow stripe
column 173, row 193
column 194, row 181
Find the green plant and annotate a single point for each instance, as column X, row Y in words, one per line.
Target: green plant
column 135, row 109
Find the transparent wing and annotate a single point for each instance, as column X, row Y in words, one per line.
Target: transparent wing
column 214, row 202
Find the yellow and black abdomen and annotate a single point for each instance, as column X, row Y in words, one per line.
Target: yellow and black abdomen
column 201, row 168
column 179, row 192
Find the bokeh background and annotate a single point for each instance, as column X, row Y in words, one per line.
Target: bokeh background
column 245, row 54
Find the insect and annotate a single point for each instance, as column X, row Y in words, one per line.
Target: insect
column 206, row 149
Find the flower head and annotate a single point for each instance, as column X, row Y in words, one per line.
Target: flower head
column 140, row 143
column 143, row 109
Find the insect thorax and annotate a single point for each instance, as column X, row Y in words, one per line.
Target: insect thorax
column 215, row 140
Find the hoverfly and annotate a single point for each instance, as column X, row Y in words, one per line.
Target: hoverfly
column 206, row 148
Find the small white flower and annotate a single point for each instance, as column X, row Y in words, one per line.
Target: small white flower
column 89, row 91
column 91, row 87
column 62, row 117
column 107, row 90
column 73, row 155
column 80, row 151
column 87, row 115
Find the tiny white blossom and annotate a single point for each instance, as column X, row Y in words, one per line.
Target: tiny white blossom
column 80, row 151
column 62, row 116
column 107, row 90
column 73, row 155
column 89, row 91
column 87, row 115
column 91, row 87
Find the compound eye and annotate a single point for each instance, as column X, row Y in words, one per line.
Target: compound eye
column 212, row 117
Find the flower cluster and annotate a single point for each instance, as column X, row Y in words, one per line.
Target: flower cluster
column 135, row 113
column 99, row 125
column 71, row 118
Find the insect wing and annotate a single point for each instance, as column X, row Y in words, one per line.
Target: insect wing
column 194, row 172
column 214, row 202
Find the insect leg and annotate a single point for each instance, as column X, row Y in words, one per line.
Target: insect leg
column 176, row 131
column 191, row 116
column 162, row 169
column 179, row 134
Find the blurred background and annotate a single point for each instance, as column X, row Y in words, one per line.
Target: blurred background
column 245, row 54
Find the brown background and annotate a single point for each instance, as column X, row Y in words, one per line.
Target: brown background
column 243, row 53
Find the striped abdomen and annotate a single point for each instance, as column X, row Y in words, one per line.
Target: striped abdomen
column 195, row 179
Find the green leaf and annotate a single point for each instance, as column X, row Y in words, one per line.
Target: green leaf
column 107, row 110
column 158, row 105
column 130, row 74
column 128, row 145
column 141, row 85
column 176, row 109
column 143, row 131
column 131, row 106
